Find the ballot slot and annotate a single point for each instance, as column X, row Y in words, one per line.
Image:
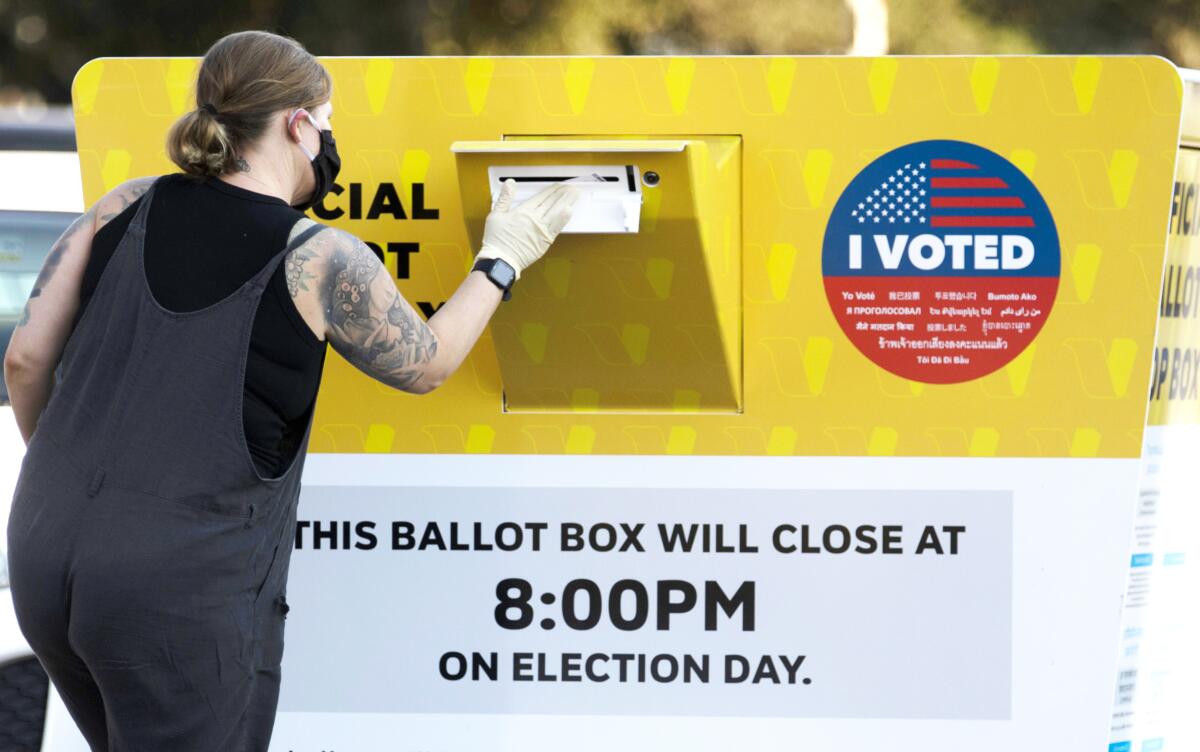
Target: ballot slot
column 637, row 307
column 610, row 196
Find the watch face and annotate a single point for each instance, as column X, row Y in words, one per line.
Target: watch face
column 504, row 273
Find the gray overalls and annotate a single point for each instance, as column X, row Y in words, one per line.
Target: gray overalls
column 148, row 558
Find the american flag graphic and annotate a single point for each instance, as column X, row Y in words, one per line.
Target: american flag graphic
column 941, row 193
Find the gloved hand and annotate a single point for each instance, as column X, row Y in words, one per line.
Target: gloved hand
column 522, row 235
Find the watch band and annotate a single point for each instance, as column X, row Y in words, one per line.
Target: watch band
column 487, row 266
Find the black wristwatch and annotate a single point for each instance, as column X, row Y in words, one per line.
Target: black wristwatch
column 499, row 272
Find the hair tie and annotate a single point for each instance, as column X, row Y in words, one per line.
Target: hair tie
column 208, row 107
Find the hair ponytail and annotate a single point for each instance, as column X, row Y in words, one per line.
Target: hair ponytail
column 200, row 145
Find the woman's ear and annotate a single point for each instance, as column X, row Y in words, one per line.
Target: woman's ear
column 293, row 124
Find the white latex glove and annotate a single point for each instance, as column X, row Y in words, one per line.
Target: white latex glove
column 522, row 235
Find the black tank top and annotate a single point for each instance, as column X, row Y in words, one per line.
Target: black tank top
column 205, row 238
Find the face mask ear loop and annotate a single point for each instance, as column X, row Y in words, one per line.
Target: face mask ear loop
column 303, row 148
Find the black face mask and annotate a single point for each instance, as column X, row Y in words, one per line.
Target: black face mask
column 326, row 165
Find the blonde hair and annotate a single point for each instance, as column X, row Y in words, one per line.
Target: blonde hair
column 246, row 77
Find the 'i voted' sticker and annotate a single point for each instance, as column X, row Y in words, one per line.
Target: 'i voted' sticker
column 941, row 261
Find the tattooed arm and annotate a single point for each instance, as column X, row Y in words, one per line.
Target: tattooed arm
column 42, row 331
column 340, row 283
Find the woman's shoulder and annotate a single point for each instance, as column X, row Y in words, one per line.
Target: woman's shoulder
column 120, row 199
column 305, row 228
column 331, row 250
column 315, row 242
column 326, row 236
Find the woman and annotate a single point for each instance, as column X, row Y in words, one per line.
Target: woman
column 153, row 519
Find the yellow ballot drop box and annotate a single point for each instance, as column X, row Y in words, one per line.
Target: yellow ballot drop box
column 820, row 425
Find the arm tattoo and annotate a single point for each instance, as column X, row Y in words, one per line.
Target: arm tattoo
column 55, row 256
column 127, row 198
column 51, row 263
column 386, row 343
column 294, row 270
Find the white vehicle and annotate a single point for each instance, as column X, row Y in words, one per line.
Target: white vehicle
column 34, row 210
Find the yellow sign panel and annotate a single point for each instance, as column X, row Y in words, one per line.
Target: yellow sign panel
column 741, row 295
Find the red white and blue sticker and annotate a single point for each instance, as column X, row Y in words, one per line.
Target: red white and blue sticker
column 941, row 261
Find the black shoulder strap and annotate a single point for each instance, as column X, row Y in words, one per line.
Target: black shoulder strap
column 303, row 237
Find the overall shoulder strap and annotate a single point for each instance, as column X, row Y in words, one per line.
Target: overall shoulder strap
column 260, row 280
column 303, row 237
column 138, row 223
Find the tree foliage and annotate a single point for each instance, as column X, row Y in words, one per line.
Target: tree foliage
column 44, row 42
